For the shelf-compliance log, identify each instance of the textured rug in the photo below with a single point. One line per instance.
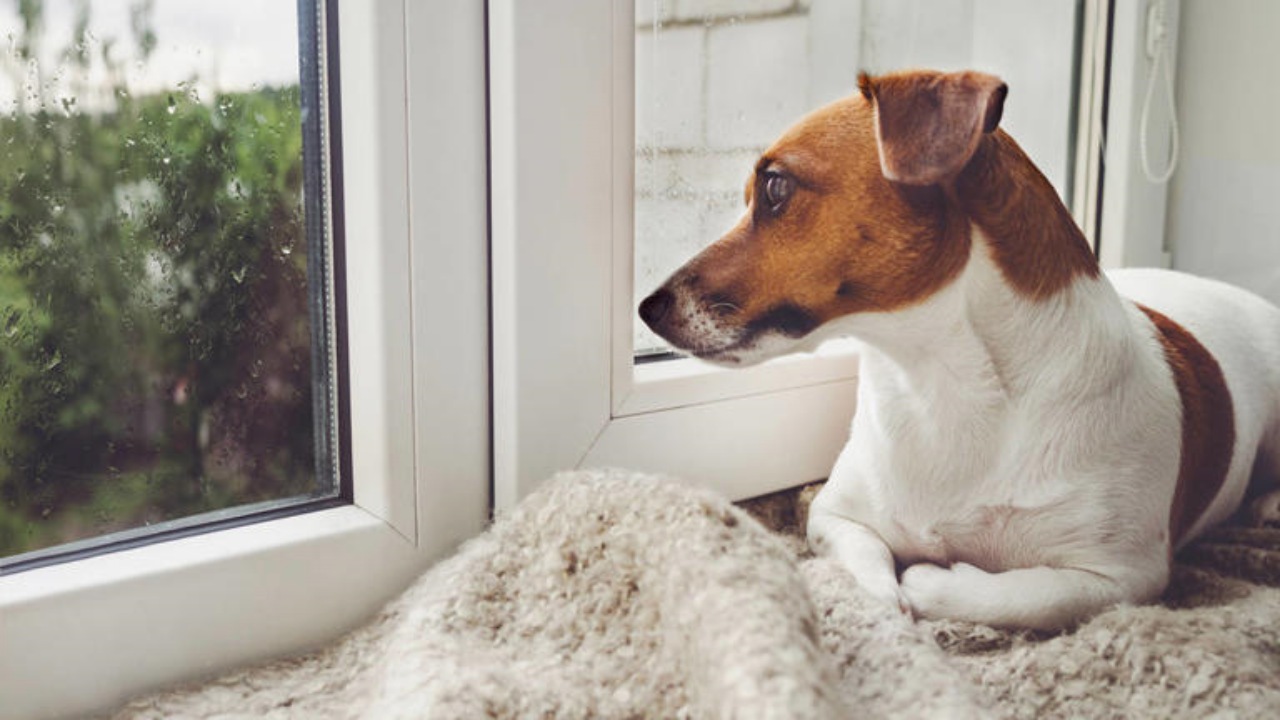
(609, 594)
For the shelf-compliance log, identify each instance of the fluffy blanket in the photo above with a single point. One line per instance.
(616, 595)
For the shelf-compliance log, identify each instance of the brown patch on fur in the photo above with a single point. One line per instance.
(848, 240)
(930, 123)
(935, 126)
(1034, 240)
(1208, 424)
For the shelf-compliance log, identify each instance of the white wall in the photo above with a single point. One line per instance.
(1224, 203)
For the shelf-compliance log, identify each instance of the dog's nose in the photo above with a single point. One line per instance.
(656, 306)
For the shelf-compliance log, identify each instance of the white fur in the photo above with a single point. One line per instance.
(1019, 457)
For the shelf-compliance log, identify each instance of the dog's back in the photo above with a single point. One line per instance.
(1242, 332)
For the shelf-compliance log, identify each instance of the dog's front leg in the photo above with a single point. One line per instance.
(861, 551)
(1040, 598)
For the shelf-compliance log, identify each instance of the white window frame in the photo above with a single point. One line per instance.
(83, 636)
(1132, 229)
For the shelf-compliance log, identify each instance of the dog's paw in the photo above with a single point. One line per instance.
(933, 591)
(925, 588)
(890, 594)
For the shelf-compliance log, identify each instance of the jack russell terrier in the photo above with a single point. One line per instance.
(1034, 439)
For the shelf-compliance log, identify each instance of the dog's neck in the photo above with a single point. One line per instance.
(1030, 313)
(1033, 238)
(979, 341)
(1070, 342)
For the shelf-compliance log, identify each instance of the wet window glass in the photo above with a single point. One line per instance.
(718, 80)
(164, 334)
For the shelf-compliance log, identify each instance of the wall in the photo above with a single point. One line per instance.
(1224, 207)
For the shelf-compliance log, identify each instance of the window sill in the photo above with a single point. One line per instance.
(686, 382)
(208, 602)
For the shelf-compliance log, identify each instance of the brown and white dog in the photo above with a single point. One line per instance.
(1030, 445)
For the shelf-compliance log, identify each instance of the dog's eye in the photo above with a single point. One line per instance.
(777, 190)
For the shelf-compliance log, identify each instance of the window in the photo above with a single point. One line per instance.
(166, 274)
(82, 635)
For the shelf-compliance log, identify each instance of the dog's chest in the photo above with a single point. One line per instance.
(982, 497)
(960, 475)
(992, 537)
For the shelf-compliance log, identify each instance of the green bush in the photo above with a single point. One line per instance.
(154, 331)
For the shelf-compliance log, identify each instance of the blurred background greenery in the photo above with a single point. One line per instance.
(154, 339)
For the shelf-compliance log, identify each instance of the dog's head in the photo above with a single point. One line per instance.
(846, 213)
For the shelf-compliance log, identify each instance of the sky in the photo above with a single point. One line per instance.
(222, 45)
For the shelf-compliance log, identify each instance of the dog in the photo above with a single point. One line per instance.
(1034, 439)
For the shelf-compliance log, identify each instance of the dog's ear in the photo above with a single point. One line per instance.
(928, 125)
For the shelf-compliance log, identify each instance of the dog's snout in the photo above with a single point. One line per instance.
(655, 307)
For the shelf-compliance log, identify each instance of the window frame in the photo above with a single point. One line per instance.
(85, 635)
(1131, 225)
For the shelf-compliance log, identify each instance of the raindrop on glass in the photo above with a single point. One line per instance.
(11, 324)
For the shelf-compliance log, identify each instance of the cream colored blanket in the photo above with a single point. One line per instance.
(617, 595)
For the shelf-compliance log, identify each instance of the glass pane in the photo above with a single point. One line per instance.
(157, 266)
(718, 80)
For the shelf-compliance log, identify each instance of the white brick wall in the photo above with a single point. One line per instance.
(670, 92)
(757, 80)
(666, 11)
(740, 9)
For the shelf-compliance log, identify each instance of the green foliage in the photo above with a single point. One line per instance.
(154, 337)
